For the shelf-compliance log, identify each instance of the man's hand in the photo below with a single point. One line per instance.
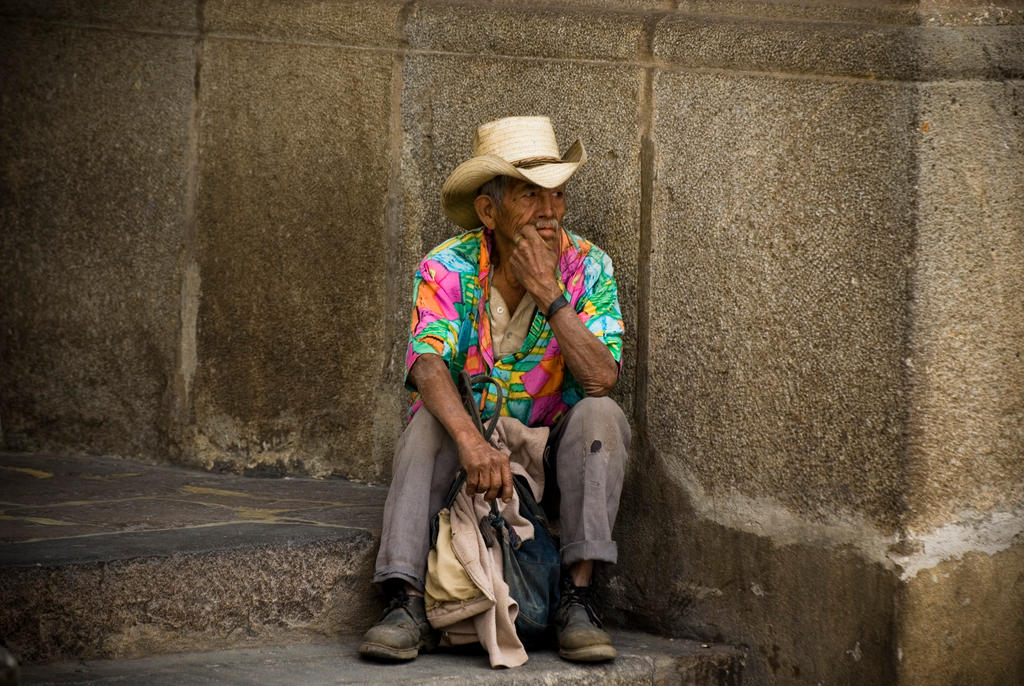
(535, 264)
(487, 469)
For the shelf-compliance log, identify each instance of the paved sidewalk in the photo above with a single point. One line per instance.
(58, 499)
(114, 572)
(103, 558)
(642, 659)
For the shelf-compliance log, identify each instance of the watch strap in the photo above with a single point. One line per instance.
(557, 304)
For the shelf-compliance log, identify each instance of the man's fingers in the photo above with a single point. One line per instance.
(506, 481)
(473, 482)
(495, 484)
(529, 232)
(492, 477)
(522, 233)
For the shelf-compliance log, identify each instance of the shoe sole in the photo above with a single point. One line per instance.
(598, 653)
(379, 651)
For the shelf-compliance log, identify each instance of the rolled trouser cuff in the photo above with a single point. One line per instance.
(382, 575)
(590, 447)
(599, 551)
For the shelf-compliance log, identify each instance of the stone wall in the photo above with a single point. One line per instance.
(211, 212)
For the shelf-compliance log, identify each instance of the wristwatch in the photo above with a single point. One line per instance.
(557, 304)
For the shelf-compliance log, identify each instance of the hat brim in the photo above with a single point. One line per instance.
(461, 188)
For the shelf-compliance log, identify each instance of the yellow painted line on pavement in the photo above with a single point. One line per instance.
(298, 504)
(211, 525)
(113, 501)
(37, 473)
(37, 520)
(110, 477)
(257, 513)
(201, 490)
(82, 503)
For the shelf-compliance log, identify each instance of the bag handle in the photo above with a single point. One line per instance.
(465, 385)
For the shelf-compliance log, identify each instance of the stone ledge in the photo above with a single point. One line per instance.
(839, 49)
(104, 558)
(537, 31)
(641, 659)
(150, 602)
(168, 543)
(828, 39)
(139, 15)
(363, 23)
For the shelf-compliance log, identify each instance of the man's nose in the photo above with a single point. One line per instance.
(545, 205)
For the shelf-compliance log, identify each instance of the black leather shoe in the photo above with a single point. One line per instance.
(580, 636)
(401, 632)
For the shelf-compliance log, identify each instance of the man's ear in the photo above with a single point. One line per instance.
(486, 210)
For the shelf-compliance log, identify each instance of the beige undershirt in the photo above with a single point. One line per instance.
(508, 331)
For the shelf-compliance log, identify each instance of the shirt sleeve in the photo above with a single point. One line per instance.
(598, 305)
(435, 316)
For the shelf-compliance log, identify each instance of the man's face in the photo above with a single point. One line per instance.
(525, 203)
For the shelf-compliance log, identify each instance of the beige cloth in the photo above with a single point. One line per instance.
(489, 616)
(509, 329)
(447, 581)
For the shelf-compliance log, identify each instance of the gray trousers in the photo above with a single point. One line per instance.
(588, 454)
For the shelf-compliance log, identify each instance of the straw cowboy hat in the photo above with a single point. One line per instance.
(520, 147)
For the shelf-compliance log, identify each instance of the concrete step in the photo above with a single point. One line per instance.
(642, 659)
(112, 571)
(101, 558)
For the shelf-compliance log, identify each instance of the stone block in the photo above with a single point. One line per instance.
(868, 11)
(510, 30)
(447, 97)
(871, 50)
(650, 5)
(970, 13)
(966, 438)
(804, 611)
(742, 43)
(166, 15)
(255, 589)
(783, 220)
(292, 257)
(365, 23)
(963, 621)
(969, 52)
(93, 139)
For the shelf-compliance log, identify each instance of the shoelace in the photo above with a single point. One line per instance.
(397, 601)
(582, 596)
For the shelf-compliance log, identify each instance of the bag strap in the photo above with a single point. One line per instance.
(456, 486)
(466, 383)
(465, 386)
(527, 500)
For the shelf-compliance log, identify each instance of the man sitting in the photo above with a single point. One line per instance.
(520, 298)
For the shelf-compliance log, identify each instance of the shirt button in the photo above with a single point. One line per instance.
(501, 310)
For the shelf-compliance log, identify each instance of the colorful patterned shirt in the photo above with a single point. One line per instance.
(450, 318)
